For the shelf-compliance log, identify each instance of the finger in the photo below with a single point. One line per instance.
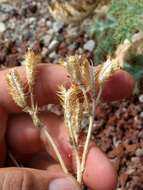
(22, 134)
(119, 86)
(24, 178)
(99, 172)
(41, 161)
(98, 166)
(50, 77)
(3, 122)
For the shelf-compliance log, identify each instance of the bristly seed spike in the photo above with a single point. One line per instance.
(31, 61)
(16, 89)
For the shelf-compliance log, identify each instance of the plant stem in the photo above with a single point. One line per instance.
(32, 100)
(13, 159)
(39, 125)
(54, 146)
(86, 146)
(31, 97)
(75, 150)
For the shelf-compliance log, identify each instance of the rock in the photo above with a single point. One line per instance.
(139, 152)
(2, 27)
(89, 45)
(71, 33)
(141, 114)
(53, 55)
(44, 52)
(31, 20)
(46, 39)
(141, 98)
(57, 26)
(72, 47)
(53, 45)
(49, 24)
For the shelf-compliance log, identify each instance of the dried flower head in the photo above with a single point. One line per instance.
(31, 61)
(77, 120)
(72, 64)
(16, 89)
(69, 96)
(80, 71)
(86, 72)
(70, 100)
(105, 71)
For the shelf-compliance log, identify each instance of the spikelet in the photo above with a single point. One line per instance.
(16, 89)
(70, 100)
(69, 96)
(77, 119)
(105, 71)
(79, 70)
(31, 61)
(72, 65)
(86, 72)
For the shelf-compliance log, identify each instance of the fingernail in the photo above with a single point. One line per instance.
(66, 183)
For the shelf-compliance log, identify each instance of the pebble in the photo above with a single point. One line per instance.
(48, 23)
(139, 152)
(72, 47)
(71, 32)
(44, 52)
(57, 26)
(53, 55)
(46, 39)
(53, 45)
(89, 45)
(2, 27)
(141, 114)
(31, 20)
(141, 98)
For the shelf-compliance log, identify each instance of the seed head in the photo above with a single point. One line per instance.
(105, 71)
(31, 61)
(70, 100)
(16, 89)
(80, 71)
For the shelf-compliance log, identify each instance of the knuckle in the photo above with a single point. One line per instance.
(15, 179)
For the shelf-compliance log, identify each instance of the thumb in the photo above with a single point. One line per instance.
(26, 178)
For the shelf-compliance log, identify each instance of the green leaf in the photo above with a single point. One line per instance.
(135, 68)
(124, 18)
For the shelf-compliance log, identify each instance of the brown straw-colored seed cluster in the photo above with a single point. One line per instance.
(79, 101)
(16, 89)
(31, 60)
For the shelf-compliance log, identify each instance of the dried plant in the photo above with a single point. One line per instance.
(16, 89)
(71, 11)
(79, 102)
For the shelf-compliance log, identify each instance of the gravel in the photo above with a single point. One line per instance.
(2, 27)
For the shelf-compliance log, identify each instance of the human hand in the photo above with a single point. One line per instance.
(23, 140)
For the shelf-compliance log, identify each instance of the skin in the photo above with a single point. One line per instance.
(23, 140)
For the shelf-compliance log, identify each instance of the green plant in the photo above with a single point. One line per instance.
(123, 19)
(135, 67)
